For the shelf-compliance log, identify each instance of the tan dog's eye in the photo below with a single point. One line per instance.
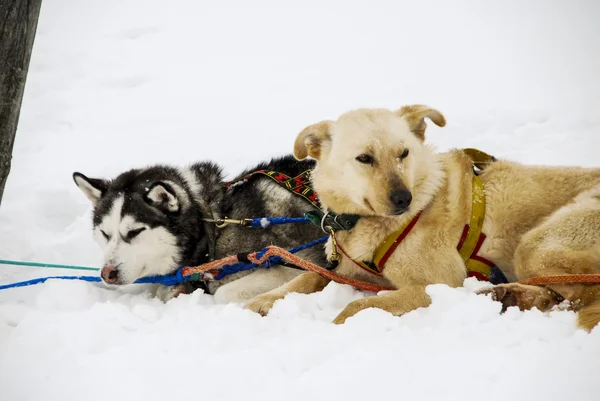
(404, 154)
(364, 159)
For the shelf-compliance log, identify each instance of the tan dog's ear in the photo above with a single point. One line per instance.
(415, 117)
(310, 140)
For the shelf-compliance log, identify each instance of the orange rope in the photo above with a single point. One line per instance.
(563, 279)
(360, 285)
(364, 285)
(291, 258)
(229, 260)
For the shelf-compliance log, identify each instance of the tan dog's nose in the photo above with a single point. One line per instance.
(110, 274)
(401, 199)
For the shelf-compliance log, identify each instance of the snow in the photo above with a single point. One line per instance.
(120, 84)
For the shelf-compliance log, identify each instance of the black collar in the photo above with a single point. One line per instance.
(337, 222)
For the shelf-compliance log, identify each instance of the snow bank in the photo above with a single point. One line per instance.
(73, 340)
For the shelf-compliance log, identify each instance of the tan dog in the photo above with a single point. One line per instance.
(538, 220)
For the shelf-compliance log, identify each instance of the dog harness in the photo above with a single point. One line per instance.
(472, 238)
(298, 185)
(386, 249)
(470, 242)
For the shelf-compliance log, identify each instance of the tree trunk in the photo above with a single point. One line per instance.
(18, 23)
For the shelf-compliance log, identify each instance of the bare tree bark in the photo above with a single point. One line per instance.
(18, 23)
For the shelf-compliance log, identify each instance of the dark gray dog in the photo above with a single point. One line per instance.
(150, 221)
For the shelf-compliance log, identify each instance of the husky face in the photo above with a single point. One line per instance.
(146, 221)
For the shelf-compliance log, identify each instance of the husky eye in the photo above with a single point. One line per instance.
(364, 159)
(404, 154)
(106, 236)
(134, 233)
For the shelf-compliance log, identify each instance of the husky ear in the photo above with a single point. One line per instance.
(415, 117)
(93, 188)
(310, 141)
(163, 196)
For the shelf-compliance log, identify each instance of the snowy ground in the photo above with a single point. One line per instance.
(117, 84)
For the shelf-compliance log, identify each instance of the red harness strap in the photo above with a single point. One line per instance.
(474, 257)
(397, 242)
(382, 254)
(376, 267)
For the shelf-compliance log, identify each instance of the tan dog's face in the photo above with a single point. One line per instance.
(370, 161)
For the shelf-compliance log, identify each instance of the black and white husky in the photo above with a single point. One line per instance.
(149, 221)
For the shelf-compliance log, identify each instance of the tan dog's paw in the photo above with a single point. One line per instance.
(262, 304)
(523, 296)
(352, 309)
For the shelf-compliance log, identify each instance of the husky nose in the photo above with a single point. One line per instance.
(401, 198)
(109, 274)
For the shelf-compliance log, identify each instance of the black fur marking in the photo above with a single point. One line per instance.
(99, 184)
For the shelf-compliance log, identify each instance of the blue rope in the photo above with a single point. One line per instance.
(169, 279)
(44, 279)
(267, 221)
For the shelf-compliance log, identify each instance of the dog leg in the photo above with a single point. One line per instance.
(532, 262)
(258, 282)
(566, 243)
(589, 315)
(306, 283)
(535, 263)
(396, 302)
(523, 296)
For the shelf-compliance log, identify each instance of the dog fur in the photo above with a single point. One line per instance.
(539, 220)
(148, 222)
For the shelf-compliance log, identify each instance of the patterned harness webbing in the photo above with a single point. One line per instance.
(298, 185)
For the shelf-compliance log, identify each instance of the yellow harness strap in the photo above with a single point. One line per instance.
(471, 239)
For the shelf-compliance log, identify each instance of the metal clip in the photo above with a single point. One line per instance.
(221, 223)
(334, 251)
